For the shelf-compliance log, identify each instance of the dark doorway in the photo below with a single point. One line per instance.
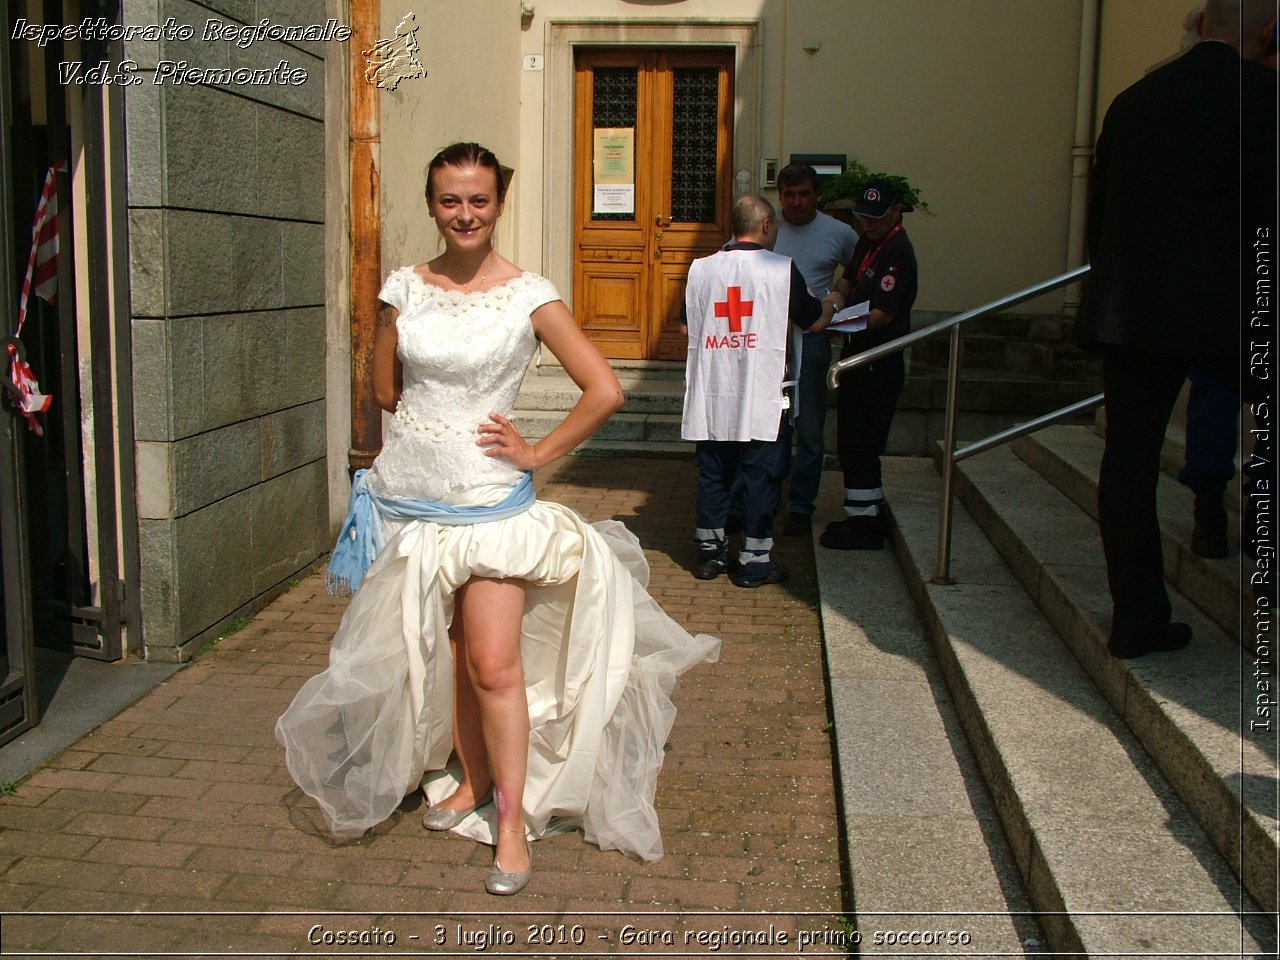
(67, 533)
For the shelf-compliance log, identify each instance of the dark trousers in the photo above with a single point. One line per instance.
(806, 469)
(865, 403)
(1213, 413)
(1140, 388)
(759, 466)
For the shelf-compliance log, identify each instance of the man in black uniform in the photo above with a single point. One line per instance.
(883, 272)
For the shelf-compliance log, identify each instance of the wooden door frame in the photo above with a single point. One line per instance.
(628, 259)
(563, 36)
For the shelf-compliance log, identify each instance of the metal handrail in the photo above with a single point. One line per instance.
(950, 455)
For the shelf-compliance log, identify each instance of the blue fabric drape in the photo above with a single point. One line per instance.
(362, 539)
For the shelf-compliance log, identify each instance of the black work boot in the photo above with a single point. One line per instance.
(855, 533)
(712, 562)
(1209, 535)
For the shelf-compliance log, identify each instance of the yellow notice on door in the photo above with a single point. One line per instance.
(614, 170)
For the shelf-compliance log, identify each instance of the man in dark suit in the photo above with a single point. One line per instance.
(1184, 171)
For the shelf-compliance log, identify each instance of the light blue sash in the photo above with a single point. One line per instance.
(362, 539)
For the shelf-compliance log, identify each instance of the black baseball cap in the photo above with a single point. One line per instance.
(876, 199)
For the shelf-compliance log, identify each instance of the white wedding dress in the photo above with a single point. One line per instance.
(601, 658)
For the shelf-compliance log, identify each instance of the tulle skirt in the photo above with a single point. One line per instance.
(601, 660)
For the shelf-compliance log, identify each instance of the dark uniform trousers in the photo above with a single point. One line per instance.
(866, 399)
(758, 465)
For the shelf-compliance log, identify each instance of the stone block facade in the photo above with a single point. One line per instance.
(226, 195)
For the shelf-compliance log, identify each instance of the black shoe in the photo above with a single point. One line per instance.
(797, 525)
(742, 576)
(1172, 636)
(732, 525)
(1209, 535)
(711, 567)
(854, 533)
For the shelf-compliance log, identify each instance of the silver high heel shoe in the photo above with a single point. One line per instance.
(503, 884)
(446, 818)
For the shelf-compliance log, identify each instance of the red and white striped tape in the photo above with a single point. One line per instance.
(42, 277)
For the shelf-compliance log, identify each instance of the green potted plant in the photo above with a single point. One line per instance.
(840, 191)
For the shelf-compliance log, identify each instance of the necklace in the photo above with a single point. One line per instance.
(471, 286)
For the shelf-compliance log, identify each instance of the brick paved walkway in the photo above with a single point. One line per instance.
(182, 802)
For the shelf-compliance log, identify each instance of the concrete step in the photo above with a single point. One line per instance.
(1053, 360)
(1065, 361)
(634, 427)
(1069, 458)
(1107, 849)
(1190, 709)
(910, 786)
(681, 450)
(647, 425)
(992, 390)
(990, 401)
(1034, 344)
(1040, 327)
(980, 351)
(647, 390)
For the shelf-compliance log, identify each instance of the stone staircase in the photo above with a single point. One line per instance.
(1015, 367)
(647, 425)
(1139, 804)
(1000, 771)
(1030, 344)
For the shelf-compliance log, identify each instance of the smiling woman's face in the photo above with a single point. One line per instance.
(464, 204)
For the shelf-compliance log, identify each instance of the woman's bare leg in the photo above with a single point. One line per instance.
(489, 644)
(468, 738)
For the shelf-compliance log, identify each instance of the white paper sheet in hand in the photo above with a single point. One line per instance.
(852, 319)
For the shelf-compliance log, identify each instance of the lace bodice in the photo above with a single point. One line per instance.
(464, 356)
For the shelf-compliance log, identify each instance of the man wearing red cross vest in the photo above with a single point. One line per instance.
(739, 306)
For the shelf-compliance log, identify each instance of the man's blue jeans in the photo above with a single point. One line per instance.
(806, 469)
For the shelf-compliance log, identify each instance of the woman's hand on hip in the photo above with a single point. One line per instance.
(500, 438)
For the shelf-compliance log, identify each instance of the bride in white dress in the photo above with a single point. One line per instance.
(512, 655)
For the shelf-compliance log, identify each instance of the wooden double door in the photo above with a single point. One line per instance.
(652, 157)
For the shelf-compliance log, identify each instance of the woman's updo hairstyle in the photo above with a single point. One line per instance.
(466, 155)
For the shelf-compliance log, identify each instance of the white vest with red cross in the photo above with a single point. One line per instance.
(736, 303)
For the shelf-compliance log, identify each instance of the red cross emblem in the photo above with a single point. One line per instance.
(735, 308)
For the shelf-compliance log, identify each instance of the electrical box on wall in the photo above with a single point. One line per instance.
(769, 172)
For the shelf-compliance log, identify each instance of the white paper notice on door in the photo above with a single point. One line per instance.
(613, 166)
(614, 198)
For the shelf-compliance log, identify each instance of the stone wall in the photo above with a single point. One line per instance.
(227, 282)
